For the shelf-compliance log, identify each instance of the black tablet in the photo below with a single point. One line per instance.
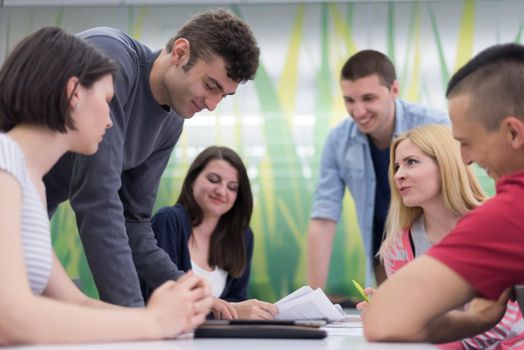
(258, 331)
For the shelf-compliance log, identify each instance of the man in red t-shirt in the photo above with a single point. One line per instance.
(483, 257)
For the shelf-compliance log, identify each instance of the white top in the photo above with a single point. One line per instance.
(36, 236)
(216, 278)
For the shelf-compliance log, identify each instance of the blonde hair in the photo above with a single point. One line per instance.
(460, 189)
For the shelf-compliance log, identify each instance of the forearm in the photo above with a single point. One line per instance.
(414, 305)
(138, 194)
(111, 263)
(38, 319)
(480, 316)
(99, 213)
(449, 327)
(454, 325)
(320, 244)
(99, 304)
(325, 212)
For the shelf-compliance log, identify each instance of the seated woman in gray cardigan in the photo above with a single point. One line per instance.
(207, 231)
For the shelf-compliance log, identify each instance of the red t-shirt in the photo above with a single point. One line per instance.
(486, 248)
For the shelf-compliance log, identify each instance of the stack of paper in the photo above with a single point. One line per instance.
(306, 303)
(351, 325)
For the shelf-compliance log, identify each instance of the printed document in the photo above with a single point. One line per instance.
(306, 303)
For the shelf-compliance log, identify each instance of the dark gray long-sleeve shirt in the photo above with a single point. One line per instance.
(112, 192)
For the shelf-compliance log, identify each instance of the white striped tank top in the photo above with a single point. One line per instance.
(36, 236)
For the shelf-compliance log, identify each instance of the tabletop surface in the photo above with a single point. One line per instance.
(332, 342)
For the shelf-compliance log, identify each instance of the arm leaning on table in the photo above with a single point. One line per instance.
(113, 191)
(62, 314)
(325, 212)
(391, 317)
(321, 234)
(113, 209)
(401, 253)
(138, 193)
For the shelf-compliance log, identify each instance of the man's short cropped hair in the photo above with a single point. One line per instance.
(368, 62)
(494, 81)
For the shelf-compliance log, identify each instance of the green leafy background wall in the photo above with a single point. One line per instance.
(279, 121)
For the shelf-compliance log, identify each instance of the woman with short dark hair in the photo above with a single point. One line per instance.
(55, 91)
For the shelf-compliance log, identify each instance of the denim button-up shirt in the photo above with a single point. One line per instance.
(346, 161)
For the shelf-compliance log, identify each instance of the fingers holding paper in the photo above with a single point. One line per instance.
(254, 309)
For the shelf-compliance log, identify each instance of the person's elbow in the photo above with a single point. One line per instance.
(385, 333)
(381, 327)
(377, 329)
(15, 327)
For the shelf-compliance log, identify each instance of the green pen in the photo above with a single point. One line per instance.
(361, 291)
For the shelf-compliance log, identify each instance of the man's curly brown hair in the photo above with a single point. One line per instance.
(220, 32)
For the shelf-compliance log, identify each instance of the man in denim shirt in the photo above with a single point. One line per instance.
(356, 155)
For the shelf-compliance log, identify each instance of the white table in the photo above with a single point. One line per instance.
(329, 343)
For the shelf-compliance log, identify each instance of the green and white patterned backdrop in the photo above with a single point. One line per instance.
(279, 121)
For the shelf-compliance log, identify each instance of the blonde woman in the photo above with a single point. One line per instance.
(431, 189)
